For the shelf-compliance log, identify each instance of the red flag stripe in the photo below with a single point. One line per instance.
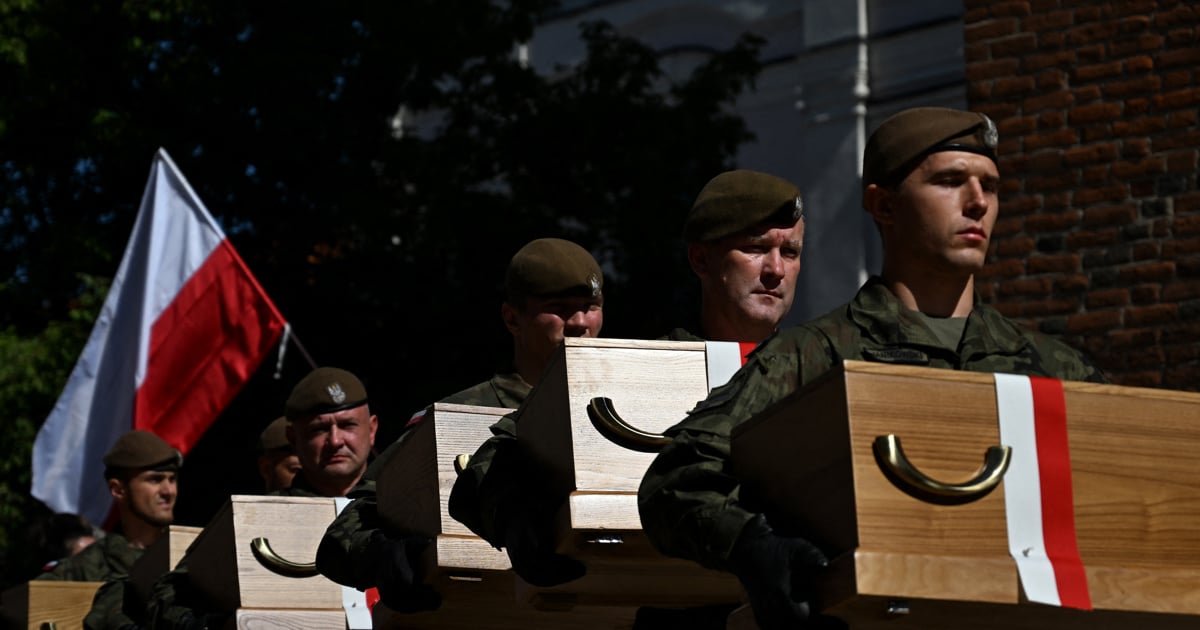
(1058, 504)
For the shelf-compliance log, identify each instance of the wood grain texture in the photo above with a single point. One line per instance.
(604, 511)
(267, 619)
(457, 553)
(38, 602)
(1135, 471)
(223, 566)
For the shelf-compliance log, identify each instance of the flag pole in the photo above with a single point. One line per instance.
(287, 336)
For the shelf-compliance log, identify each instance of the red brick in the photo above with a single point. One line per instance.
(1024, 287)
(1052, 80)
(992, 69)
(1091, 32)
(1097, 112)
(1178, 140)
(1009, 188)
(1135, 147)
(1182, 377)
(1014, 45)
(1139, 63)
(1088, 196)
(1140, 168)
(1016, 246)
(1184, 118)
(1091, 54)
(1096, 133)
(1137, 106)
(1141, 188)
(1138, 126)
(1065, 179)
(1019, 125)
(1008, 268)
(1146, 250)
(1189, 57)
(1181, 333)
(1181, 162)
(986, 291)
(1180, 247)
(1093, 238)
(1140, 43)
(1086, 94)
(1021, 205)
(1052, 221)
(1090, 153)
(1011, 310)
(1062, 138)
(1049, 264)
(1072, 283)
(1183, 354)
(1185, 225)
(1011, 7)
(1134, 23)
(1147, 272)
(975, 53)
(1107, 297)
(1052, 119)
(1178, 99)
(1133, 87)
(1185, 15)
(997, 110)
(1145, 294)
(1051, 307)
(1056, 202)
(1096, 175)
(1131, 7)
(1187, 203)
(1151, 315)
(1179, 291)
(1177, 79)
(1139, 379)
(1051, 40)
(1007, 226)
(1180, 37)
(1047, 20)
(1057, 59)
(1010, 87)
(979, 91)
(1093, 321)
(990, 29)
(1098, 71)
(1132, 339)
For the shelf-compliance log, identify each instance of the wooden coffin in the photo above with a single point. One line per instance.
(1135, 480)
(48, 604)
(261, 619)
(651, 385)
(224, 564)
(414, 486)
(160, 557)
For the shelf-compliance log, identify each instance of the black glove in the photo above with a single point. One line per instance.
(779, 573)
(529, 541)
(399, 574)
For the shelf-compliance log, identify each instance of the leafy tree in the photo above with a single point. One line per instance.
(383, 244)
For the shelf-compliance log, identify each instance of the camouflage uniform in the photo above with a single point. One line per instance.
(341, 556)
(689, 500)
(103, 560)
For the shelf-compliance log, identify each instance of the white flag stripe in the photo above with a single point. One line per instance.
(354, 601)
(724, 359)
(1022, 489)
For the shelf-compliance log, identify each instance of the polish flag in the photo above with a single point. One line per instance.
(184, 326)
(724, 358)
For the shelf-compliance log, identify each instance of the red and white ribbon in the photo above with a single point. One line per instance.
(356, 603)
(1038, 498)
(725, 358)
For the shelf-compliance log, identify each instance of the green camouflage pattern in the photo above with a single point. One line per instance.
(341, 556)
(689, 499)
(106, 559)
(109, 607)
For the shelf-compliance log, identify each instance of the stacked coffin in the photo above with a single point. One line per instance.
(870, 462)
(48, 605)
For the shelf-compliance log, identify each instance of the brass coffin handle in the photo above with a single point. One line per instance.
(460, 463)
(896, 467)
(273, 561)
(621, 433)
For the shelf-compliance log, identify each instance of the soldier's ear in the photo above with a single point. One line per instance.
(697, 255)
(878, 203)
(508, 314)
(116, 488)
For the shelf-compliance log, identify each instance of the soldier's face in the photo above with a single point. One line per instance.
(335, 446)
(277, 468)
(150, 495)
(939, 219)
(749, 279)
(542, 323)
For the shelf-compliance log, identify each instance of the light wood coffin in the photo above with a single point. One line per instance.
(42, 604)
(159, 558)
(1136, 488)
(652, 386)
(224, 566)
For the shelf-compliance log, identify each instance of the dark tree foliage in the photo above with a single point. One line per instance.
(383, 244)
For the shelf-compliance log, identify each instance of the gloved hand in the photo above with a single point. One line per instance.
(399, 575)
(778, 573)
(529, 541)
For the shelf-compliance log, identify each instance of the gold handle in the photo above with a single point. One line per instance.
(896, 467)
(268, 558)
(621, 433)
(460, 463)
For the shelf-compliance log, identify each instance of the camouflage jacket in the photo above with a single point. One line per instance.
(115, 606)
(342, 556)
(107, 558)
(689, 499)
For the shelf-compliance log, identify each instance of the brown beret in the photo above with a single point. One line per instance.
(324, 390)
(552, 266)
(274, 437)
(906, 138)
(736, 200)
(141, 449)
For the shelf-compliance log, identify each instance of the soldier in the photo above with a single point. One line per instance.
(141, 470)
(553, 290)
(332, 430)
(277, 460)
(744, 235)
(930, 182)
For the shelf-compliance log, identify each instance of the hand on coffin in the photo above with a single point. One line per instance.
(779, 573)
(399, 573)
(529, 541)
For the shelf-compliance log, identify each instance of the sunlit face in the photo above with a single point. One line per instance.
(149, 494)
(940, 218)
(748, 279)
(334, 446)
(277, 468)
(541, 323)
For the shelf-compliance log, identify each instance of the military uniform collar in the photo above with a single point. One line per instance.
(511, 389)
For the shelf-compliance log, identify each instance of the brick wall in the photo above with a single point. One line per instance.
(1098, 240)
